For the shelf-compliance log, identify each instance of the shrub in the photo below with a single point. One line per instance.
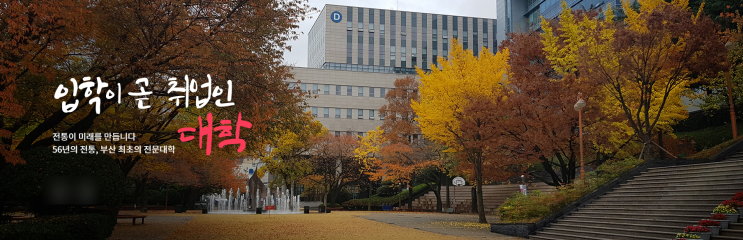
(62, 227)
(535, 206)
(719, 216)
(724, 209)
(708, 223)
(688, 235)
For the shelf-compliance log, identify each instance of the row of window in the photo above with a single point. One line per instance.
(403, 43)
(348, 113)
(367, 68)
(325, 89)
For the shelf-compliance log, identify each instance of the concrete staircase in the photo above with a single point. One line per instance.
(493, 196)
(657, 204)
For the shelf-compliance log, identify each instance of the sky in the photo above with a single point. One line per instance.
(471, 8)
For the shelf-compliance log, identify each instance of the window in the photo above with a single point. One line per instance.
(371, 19)
(381, 116)
(361, 114)
(381, 92)
(337, 113)
(337, 89)
(291, 85)
(337, 133)
(371, 114)
(315, 89)
(314, 111)
(304, 87)
(348, 113)
(349, 91)
(326, 113)
(360, 134)
(371, 92)
(327, 89)
(361, 91)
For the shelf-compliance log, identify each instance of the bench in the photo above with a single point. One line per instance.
(133, 217)
(335, 208)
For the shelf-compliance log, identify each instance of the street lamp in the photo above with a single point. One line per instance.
(733, 123)
(579, 107)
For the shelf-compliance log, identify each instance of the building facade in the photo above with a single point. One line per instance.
(355, 54)
(524, 15)
(390, 41)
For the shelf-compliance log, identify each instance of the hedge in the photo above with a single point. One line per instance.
(377, 201)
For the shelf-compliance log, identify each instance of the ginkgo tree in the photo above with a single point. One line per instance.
(644, 64)
(445, 94)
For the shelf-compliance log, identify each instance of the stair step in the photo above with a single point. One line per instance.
(620, 209)
(679, 207)
(678, 217)
(690, 173)
(607, 233)
(551, 235)
(666, 196)
(733, 186)
(684, 179)
(697, 166)
(617, 201)
(650, 226)
(714, 192)
(669, 222)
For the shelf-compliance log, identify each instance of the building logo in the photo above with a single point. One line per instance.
(336, 16)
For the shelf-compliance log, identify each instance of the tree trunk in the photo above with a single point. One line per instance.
(660, 142)
(291, 198)
(448, 195)
(370, 194)
(478, 178)
(410, 190)
(143, 197)
(437, 193)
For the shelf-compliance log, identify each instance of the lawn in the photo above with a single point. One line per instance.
(336, 225)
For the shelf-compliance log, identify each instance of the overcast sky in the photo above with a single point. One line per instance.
(471, 8)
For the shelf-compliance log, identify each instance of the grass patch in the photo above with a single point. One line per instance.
(711, 152)
(529, 209)
(711, 137)
(336, 225)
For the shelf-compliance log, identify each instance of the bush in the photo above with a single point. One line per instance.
(25, 183)
(528, 209)
(378, 201)
(387, 190)
(62, 227)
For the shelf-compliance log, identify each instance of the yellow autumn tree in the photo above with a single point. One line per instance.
(445, 94)
(644, 65)
(288, 155)
(367, 153)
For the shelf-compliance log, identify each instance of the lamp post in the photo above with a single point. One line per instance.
(579, 105)
(733, 123)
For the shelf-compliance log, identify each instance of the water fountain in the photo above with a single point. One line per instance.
(245, 203)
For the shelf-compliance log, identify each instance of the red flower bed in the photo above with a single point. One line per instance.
(738, 196)
(719, 216)
(708, 223)
(696, 229)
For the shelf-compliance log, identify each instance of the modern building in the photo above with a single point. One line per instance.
(524, 15)
(355, 54)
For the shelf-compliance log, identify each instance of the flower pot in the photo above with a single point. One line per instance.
(724, 224)
(732, 217)
(704, 235)
(715, 230)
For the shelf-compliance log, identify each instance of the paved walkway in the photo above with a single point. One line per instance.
(462, 225)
